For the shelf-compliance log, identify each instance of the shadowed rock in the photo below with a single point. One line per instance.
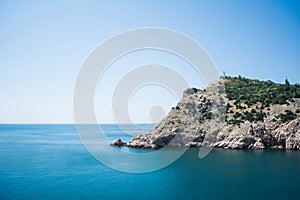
(118, 143)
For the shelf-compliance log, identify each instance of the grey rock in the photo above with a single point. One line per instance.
(293, 141)
(118, 143)
(258, 145)
(238, 145)
(190, 91)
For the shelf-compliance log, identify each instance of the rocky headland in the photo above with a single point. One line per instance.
(234, 113)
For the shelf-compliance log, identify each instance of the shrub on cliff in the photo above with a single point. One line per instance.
(288, 116)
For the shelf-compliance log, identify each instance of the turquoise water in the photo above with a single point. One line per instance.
(49, 162)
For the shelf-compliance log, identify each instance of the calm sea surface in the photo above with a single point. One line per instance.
(49, 162)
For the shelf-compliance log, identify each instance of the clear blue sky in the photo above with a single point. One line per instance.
(44, 43)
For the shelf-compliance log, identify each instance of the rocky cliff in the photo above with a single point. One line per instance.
(234, 112)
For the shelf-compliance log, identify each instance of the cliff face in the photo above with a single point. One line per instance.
(235, 113)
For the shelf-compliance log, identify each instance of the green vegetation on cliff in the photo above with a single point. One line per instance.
(250, 97)
(264, 92)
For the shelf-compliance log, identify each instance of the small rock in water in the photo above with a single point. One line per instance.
(118, 143)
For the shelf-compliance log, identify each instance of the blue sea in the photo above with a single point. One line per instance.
(50, 162)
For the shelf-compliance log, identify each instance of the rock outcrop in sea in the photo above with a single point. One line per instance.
(234, 113)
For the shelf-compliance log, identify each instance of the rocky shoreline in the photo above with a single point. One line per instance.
(201, 119)
(257, 137)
